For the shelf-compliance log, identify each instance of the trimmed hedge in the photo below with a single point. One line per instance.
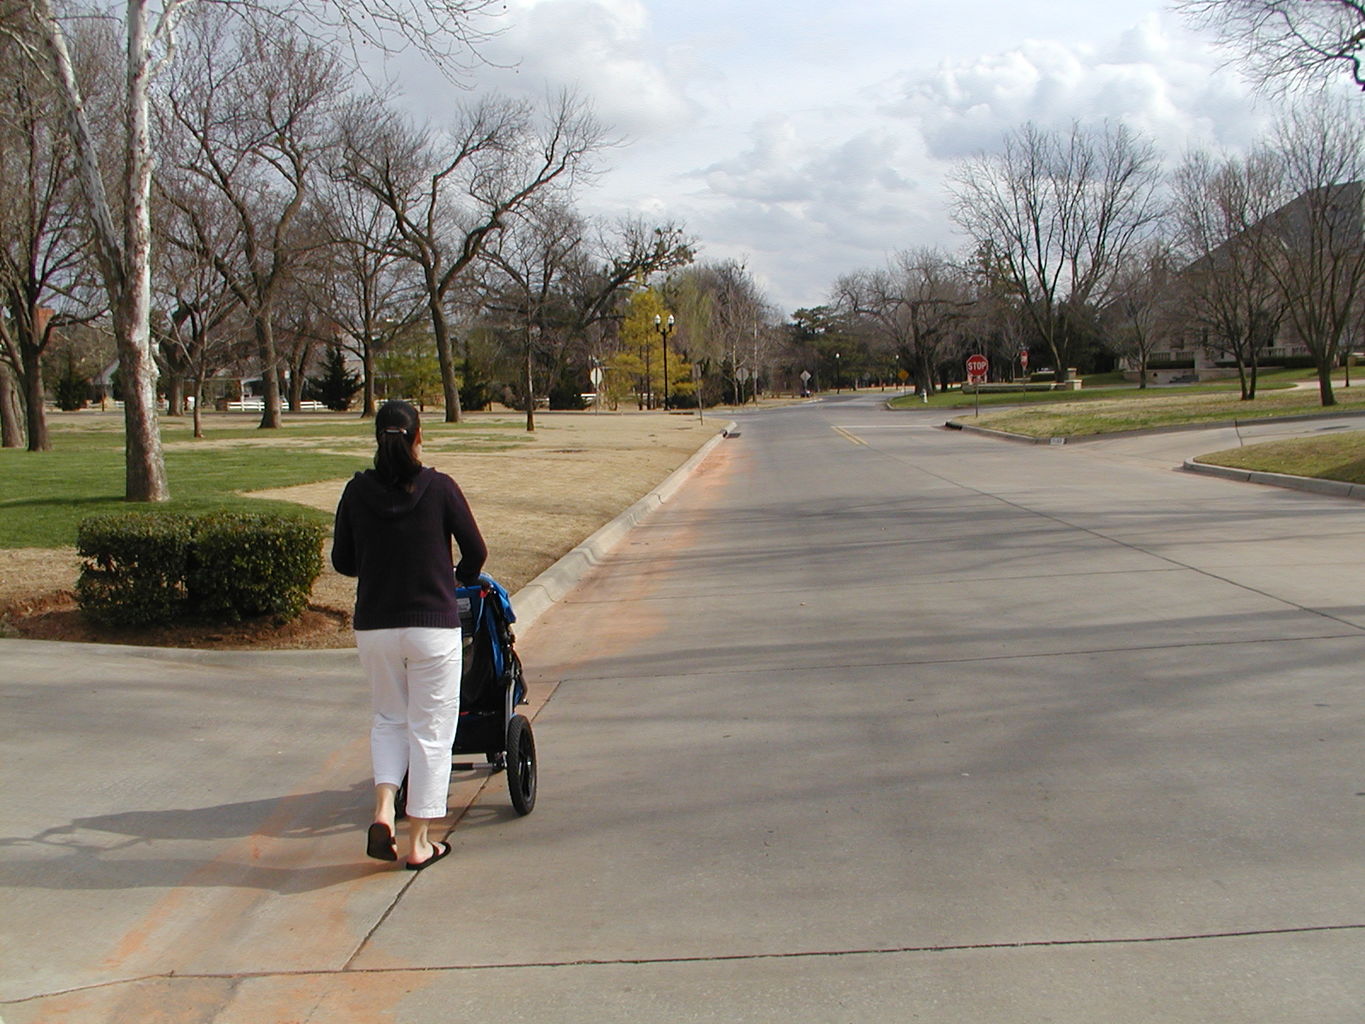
(133, 573)
(143, 569)
(247, 564)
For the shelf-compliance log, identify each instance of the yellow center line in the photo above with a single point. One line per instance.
(846, 435)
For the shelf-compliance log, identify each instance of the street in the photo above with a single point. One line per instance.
(872, 720)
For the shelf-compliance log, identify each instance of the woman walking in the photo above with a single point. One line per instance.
(394, 528)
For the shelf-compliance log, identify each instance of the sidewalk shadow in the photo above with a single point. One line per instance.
(86, 860)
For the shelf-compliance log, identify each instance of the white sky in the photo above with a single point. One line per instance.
(812, 140)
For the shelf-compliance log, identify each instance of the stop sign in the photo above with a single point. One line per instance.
(976, 368)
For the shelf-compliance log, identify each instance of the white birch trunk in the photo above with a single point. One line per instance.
(124, 261)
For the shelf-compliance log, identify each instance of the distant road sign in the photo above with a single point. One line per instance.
(976, 369)
(1023, 359)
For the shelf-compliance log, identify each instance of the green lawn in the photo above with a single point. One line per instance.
(43, 495)
(1098, 388)
(1090, 413)
(1338, 456)
(1076, 414)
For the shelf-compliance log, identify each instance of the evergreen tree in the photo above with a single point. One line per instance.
(337, 385)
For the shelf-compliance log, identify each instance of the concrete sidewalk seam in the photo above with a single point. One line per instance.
(532, 600)
(811, 954)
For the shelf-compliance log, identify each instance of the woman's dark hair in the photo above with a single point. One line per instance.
(395, 429)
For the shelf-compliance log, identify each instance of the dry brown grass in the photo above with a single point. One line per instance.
(533, 504)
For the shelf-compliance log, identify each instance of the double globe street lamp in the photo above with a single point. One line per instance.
(665, 328)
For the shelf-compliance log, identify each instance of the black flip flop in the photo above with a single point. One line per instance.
(442, 849)
(379, 842)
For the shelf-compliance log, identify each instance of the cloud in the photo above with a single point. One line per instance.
(1153, 77)
(811, 193)
(810, 163)
(604, 48)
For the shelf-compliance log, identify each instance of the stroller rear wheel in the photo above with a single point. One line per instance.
(521, 764)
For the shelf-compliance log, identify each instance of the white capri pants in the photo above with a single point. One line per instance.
(415, 695)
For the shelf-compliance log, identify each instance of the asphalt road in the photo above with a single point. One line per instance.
(873, 720)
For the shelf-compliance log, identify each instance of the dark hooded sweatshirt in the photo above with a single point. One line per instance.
(398, 543)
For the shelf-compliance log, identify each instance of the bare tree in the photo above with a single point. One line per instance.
(561, 278)
(528, 259)
(1062, 212)
(1140, 314)
(878, 298)
(362, 297)
(449, 191)
(1225, 291)
(726, 324)
(913, 305)
(247, 124)
(1287, 45)
(44, 235)
(995, 324)
(1314, 246)
(443, 29)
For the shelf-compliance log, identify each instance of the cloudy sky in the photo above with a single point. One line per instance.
(812, 140)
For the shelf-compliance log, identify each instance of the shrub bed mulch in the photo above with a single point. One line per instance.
(54, 616)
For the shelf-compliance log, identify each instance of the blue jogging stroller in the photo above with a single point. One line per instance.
(491, 689)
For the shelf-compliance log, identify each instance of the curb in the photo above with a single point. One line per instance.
(1002, 435)
(532, 600)
(1175, 428)
(1312, 485)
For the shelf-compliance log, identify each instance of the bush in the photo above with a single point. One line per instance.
(336, 386)
(71, 391)
(1171, 364)
(566, 395)
(133, 573)
(244, 564)
(475, 396)
(145, 569)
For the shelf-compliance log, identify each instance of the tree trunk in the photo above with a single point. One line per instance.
(145, 472)
(454, 414)
(270, 376)
(11, 410)
(33, 399)
(530, 390)
(1325, 381)
(367, 409)
(124, 258)
(198, 406)
(296, 382)
(145, 467)
(175, 394)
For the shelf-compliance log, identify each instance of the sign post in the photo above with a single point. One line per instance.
(977, 367)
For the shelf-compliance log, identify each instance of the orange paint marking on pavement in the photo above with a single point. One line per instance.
(282, 898)
(575, 630)
(281, 886)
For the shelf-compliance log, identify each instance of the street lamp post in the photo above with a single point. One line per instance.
(664, 327)
(838, 380)
(647, 392)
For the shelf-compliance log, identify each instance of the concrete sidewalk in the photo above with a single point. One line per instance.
(173, 812)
